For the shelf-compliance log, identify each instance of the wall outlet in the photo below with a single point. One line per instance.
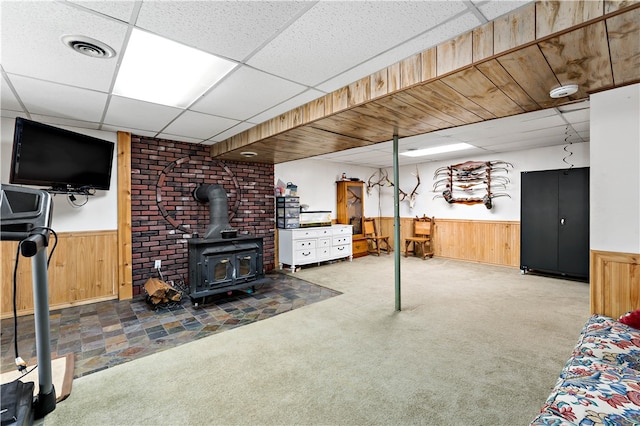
(157, 264)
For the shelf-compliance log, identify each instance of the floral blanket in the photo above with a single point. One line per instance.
(600, 383)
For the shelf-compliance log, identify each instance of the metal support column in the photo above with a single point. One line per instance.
(396, 220)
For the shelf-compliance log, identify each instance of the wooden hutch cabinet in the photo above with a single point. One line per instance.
(350, 211)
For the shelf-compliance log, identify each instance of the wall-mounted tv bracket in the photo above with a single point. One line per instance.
(25, 216)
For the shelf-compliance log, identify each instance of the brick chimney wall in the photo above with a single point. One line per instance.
(165, 215)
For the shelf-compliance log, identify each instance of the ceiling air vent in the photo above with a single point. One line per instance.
(88, 46)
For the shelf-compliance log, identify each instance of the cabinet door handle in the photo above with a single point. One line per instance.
(562, 221)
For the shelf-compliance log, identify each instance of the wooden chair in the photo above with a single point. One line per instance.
(422, 237)
(371, 234)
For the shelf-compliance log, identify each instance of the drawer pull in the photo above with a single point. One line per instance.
(306, 254)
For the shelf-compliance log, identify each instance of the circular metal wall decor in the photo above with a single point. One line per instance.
(165, 176)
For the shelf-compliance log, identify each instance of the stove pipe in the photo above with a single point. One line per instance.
(218, 208)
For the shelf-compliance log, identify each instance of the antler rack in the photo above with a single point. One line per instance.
(469, 177)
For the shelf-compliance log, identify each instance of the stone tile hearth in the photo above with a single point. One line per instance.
(105, 334)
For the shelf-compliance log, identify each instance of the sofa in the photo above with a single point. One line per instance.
(600, 383)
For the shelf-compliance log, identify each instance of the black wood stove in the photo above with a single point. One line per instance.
(222, 261)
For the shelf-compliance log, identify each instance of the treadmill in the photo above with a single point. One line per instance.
(25, 216)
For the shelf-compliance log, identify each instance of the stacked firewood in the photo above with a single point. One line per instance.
(159, 292)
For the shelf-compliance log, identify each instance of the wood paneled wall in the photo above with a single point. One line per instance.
(494, 242)
(83, 269)
(615, 282)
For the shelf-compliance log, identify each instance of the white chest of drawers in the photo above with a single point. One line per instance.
(303, 246)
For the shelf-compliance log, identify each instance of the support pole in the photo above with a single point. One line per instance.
(46, 399)
(396, 220)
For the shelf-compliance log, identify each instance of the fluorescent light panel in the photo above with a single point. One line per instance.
(437, 150)
(158, 70)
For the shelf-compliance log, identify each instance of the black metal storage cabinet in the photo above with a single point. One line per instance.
(554, 222)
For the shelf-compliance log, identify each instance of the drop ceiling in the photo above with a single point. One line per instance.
(287, 53)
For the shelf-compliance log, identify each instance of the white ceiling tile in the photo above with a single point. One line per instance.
(377, 161)
(518, 145)
(585, 136)
(300, 54)
(7, 130)
(409, 48)
(8, 100)
(577, 116)
(552, 134)
(493, 9)
(581, 127)
(58, 121)
(31, 43)
(131, 130)
(198, 126)
(5, 113)
(450, 29)
(136, 114)
(288, 105)
(584, 104)
(439, 33)
(245, 93)
(467, 153)
(232, 29)
(120, 9)
(179, 138)
(238, 128)
(41, 97)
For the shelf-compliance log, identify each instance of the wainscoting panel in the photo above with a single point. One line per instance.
(83, 269)
(494, 242)
(615, 282)
(497, 243)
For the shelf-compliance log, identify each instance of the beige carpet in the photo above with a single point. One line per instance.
(473, 345)
(61, 376)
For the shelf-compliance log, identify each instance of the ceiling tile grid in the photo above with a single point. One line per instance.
(246, 93)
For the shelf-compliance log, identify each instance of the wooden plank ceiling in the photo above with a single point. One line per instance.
(503, 68)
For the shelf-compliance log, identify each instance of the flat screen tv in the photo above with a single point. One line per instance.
(48, 156)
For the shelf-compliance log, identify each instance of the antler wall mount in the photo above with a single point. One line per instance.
(383, 178)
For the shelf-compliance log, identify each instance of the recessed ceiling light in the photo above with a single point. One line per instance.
(562, 91)
(248, 154)
(88, 46)
(437, 150)
(162, 71)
